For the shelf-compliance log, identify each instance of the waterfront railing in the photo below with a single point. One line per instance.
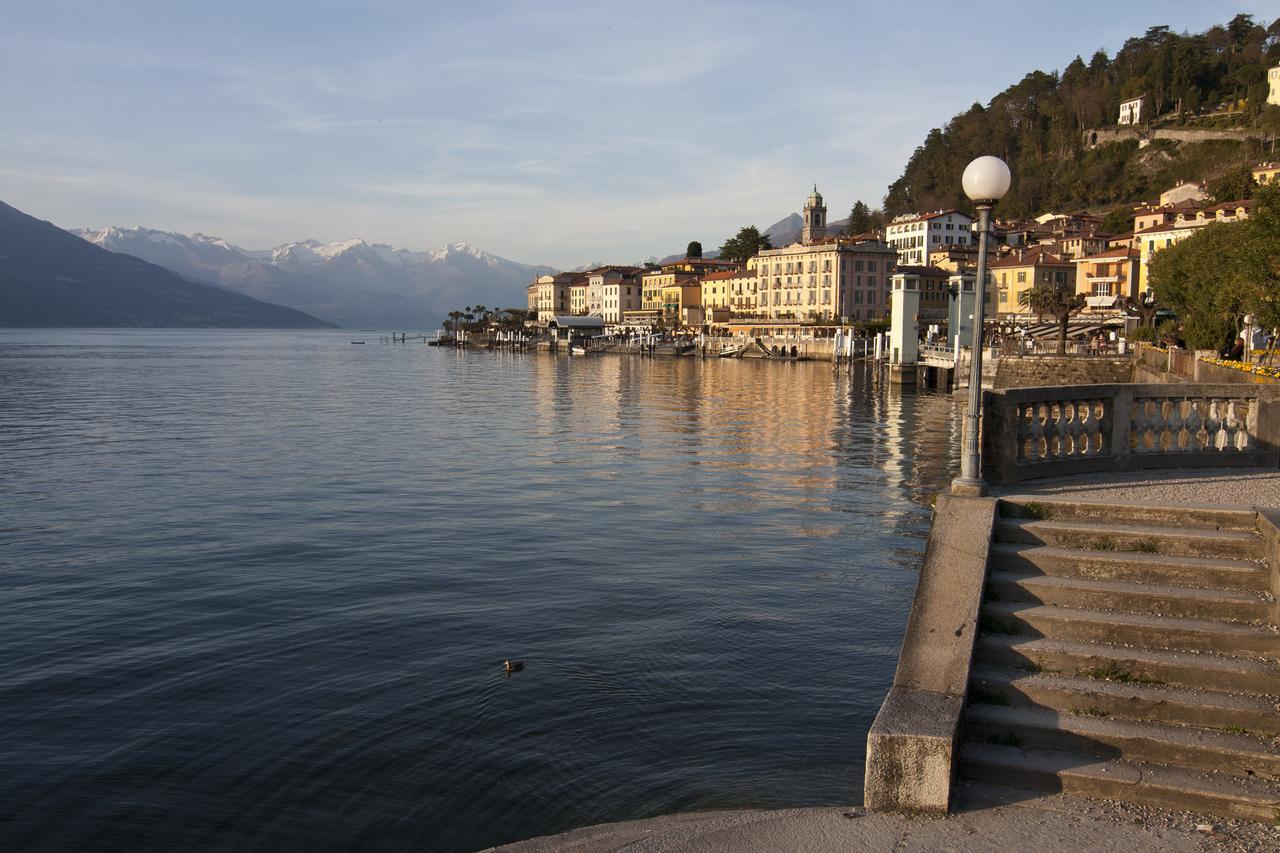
(1056, 431)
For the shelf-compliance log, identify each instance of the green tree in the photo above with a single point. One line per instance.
(1058, 300)
(859, 219)
(693, 250)
(1203, 280)
(1119, 220)
(1234, 184)
(745, 244)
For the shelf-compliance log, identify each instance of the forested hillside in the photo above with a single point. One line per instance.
(1211, 80)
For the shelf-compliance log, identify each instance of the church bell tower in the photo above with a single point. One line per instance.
(815, 218)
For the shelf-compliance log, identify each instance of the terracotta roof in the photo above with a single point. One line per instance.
(1247, 204)
(1111, 253)
(926, 271)
(1035, 256)
(921, 217)
(1172, 226)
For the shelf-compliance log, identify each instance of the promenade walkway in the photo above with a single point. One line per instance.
(1234, 487)
(985, 819)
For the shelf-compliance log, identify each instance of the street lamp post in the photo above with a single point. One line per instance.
(985, 181)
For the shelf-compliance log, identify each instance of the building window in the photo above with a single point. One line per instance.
(1022, 276)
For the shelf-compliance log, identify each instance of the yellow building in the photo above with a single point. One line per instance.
(1021, 270)
(678, 298)
(1104, 279)
(1151, 240)
(1080, 245)
(733, 291)
(578, 298)
(676, 272)
(552, 295)
(654, 282)
(1265, 173)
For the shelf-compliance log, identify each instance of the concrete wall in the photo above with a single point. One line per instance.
(911, 748)
(1105, 135)
(1042, 370)
(1186, 366)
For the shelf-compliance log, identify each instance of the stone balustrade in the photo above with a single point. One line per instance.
(1058, 431)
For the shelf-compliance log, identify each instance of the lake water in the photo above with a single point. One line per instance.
(258, 587)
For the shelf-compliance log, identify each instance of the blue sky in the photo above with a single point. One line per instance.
(555, 133)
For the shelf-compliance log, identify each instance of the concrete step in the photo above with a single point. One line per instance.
(1189, 747)
(1126, 664)
(1123, 512)
(1132, 566)
(1090, 536)
(1211, 709)
(1219, 794)
(1124, 596)
(1128, 629)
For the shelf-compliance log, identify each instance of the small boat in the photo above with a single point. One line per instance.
(732, 351)
(577, 349)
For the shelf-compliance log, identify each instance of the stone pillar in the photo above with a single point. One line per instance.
(904, 332)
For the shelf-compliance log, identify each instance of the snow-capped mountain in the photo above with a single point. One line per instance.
(351, 282)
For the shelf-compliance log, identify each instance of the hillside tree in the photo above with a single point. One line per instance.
(747, 243)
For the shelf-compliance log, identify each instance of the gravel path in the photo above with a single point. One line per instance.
(1235, 487)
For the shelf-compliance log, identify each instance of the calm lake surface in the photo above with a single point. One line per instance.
(258, 587)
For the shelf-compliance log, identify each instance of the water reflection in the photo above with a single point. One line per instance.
(262, 586)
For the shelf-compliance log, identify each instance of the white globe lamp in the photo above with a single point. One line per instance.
(986, 179)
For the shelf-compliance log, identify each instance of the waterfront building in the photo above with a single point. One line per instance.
(732, 291)
(678, 299)
(619, 293)
(654, 282)
(1022, 269)
(638, 320)
(675, 272)
(1185, 223)
(552, 295)
(578, 295)
(1131, 111)
(1265, 173)
(914, 236)
(833, 278)
(1273, 81)
(608, 279)
(1106, 278)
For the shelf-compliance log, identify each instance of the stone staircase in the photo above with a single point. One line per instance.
(1128, 653)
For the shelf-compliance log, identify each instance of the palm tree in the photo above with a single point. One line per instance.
(1059, 301)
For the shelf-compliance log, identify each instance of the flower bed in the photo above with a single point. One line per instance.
(1243, 367)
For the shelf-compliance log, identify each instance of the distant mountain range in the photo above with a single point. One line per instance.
(352, 283)
(51, 278)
